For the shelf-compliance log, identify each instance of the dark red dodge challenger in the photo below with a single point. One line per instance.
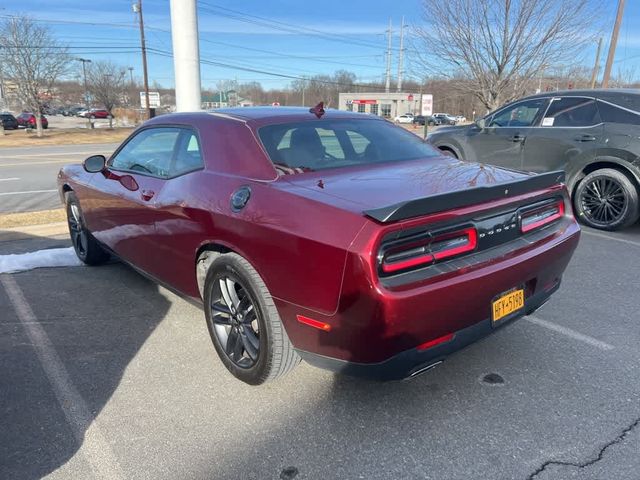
(334, 237)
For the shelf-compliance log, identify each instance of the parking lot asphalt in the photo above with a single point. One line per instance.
(103, 374)
(28, 174)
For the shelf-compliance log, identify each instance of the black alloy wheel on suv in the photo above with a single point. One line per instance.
(590, 134)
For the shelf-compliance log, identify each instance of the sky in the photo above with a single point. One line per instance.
(349, 34)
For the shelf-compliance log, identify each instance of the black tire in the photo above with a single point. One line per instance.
(607, 199)
(85, 245)
(275, 354)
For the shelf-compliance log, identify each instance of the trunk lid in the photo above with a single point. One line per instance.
(386, 186)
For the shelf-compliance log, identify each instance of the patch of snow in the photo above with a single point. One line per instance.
(54, 257)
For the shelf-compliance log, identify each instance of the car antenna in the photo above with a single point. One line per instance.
(318, 110)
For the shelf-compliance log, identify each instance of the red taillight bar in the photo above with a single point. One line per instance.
(544, 220)
(410, 262)
(472, 243)
(469, 236)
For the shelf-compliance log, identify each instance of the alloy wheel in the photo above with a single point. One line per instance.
(603, 201)
(235, 321)
(78, 233)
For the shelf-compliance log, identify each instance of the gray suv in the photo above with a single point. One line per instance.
(593, 135)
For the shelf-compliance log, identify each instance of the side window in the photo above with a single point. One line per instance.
(188, 155)
(149, 152)
(523, 114)
(613, 114)
(358, 142)
(331, 143)
(571, 112)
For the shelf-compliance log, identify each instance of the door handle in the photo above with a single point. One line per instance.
(586, 138)
(147, 195)
(517, 138)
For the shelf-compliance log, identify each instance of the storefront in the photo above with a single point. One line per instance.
(387, 105)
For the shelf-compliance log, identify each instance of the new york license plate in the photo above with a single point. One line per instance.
(507, 304)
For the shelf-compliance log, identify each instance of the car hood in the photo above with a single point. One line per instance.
(364, 188)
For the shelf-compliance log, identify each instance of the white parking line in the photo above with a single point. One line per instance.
(570, 333)
(85, 428)
(30, 191)
(8, 179)
(609, 237)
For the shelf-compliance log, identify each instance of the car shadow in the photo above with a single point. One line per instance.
(94, 341)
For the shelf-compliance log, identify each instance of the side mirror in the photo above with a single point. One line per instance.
(95, 163)
(480, 123)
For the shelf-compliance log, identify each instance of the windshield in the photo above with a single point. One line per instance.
(308, 146)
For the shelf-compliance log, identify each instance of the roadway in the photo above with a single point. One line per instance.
(28, 174)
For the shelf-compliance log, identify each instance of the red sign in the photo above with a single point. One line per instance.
(410, 97)
(364, 102)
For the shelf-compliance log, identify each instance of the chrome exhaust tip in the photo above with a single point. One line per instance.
(421, 370)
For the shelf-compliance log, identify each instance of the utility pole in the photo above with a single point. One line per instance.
(596, 66)
(401, 56)
(137, 8)
(613, 44)
(84, 73)
(186, 55)
(387, 84)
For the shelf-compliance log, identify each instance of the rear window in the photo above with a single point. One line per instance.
(571, 112)
(323, 144)
(613, 114)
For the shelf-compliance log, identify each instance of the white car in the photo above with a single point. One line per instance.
(460, 119)
(406, 118)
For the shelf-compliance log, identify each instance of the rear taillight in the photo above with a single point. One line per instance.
(429, 249)
(540, 216)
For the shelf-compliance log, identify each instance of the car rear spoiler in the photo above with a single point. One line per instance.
(464, 198)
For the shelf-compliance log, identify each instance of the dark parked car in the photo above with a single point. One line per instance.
(72, 111)
(9, 122)
(429, 120)
(445, 118)
(335, 237)
(28, 120)
(591, 134)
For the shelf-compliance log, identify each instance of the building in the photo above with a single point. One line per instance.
(388, 105)
(225, 99)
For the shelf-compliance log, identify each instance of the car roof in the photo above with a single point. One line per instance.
(595, 92)
(626, 97)
(279, 113)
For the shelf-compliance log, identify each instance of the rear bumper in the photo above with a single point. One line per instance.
(413, 361)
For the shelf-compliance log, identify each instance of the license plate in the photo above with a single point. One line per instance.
(507, 304)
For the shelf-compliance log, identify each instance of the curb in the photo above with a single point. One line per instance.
(29, 231)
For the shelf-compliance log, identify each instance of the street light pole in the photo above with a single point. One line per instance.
(86, 90)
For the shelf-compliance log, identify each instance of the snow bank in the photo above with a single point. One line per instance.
(55, 257)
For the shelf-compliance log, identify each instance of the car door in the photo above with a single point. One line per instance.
(180, 224)
(127, 212)
(501, 141)
(568, 137)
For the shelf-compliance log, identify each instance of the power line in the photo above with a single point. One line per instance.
(273, 74)
(221, 11)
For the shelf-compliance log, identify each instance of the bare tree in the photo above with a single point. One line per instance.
(107, 85)
(501, 46)
(32, 58)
